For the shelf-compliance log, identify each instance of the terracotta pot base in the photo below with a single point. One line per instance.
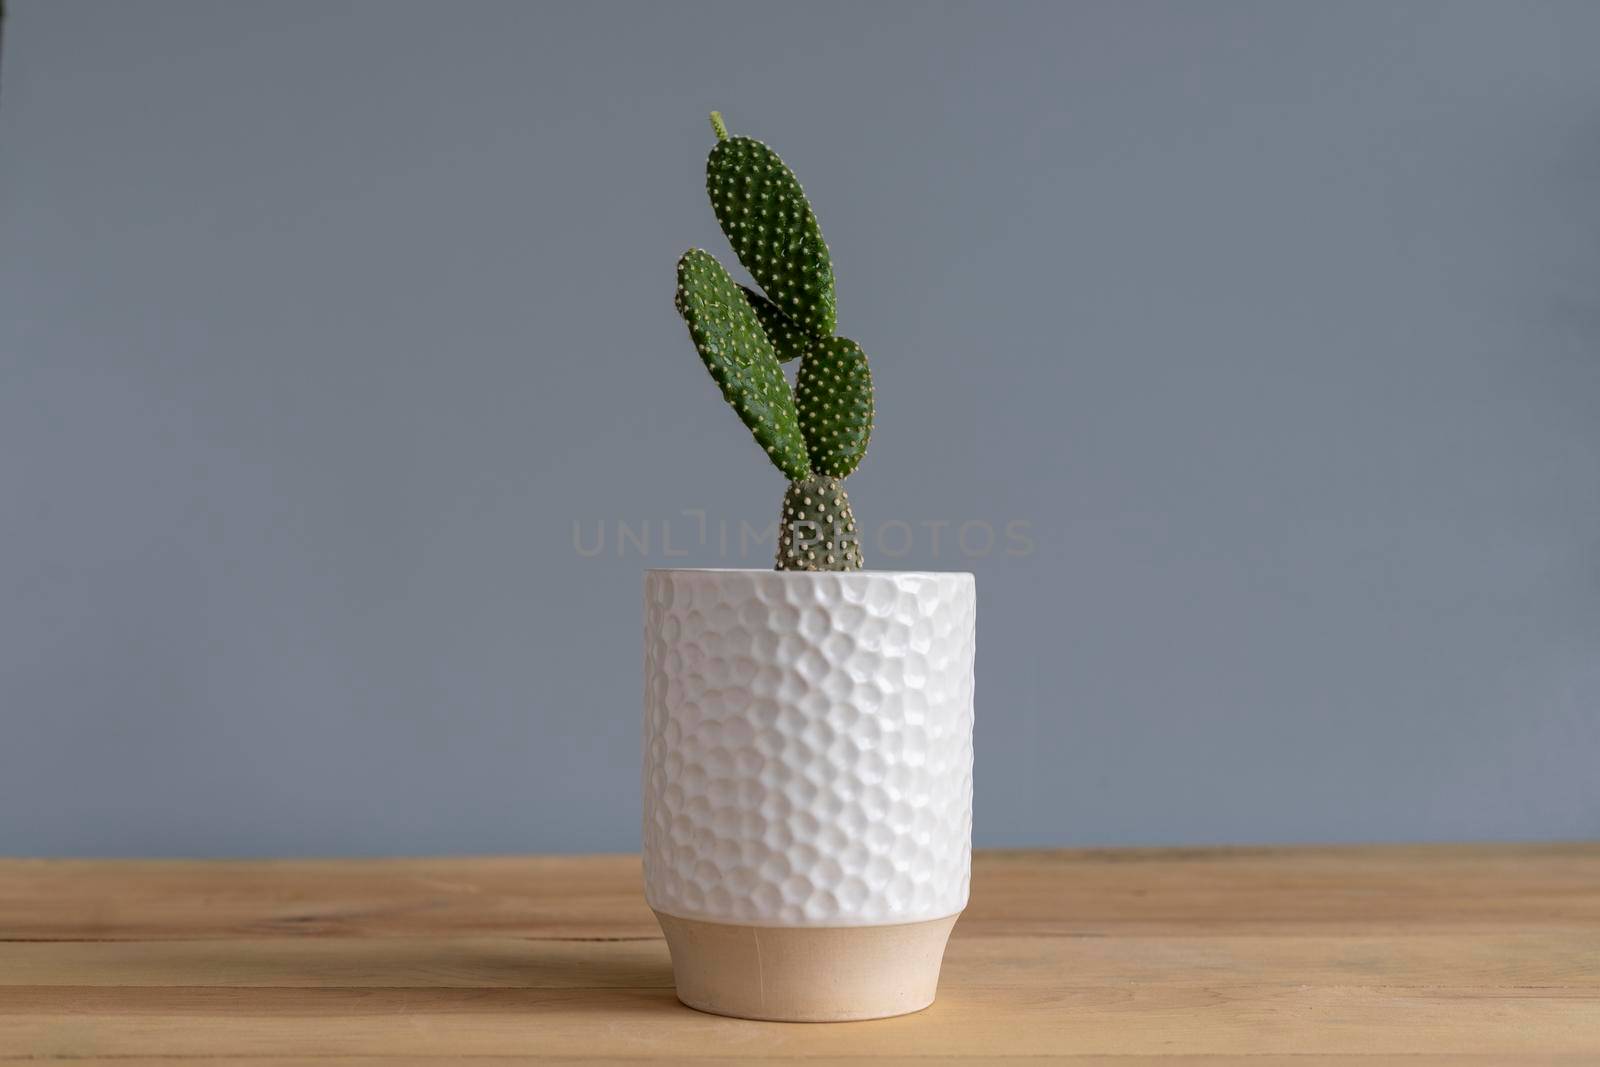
(806, 974)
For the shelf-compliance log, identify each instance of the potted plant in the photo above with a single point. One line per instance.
(807, 729)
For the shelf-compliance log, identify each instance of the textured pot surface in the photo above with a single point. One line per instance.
(808, 746)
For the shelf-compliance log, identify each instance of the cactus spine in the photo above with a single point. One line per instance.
(816, 434)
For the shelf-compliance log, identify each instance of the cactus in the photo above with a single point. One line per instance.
(772, 228)
(816, 530)
(788, 340)
(818, 433)
(833, 394)
(735, 349)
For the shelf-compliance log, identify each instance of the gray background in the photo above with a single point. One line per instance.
(322, 323)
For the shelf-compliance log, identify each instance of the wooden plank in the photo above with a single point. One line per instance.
(1388, 889)
(1147, 1019)
(1075, 1060)
(1299, 890)
(1567, 960)
(1456, 954)
(555, 896)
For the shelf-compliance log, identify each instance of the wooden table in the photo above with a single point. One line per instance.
(1305, 956)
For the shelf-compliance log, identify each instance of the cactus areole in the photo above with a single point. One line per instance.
(815, 433)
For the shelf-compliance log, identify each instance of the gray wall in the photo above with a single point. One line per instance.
(322, 323)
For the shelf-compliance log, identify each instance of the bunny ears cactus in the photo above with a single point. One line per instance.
(771, 226)
(735, 349)
(816, 434)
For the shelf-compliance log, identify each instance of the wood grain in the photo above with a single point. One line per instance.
(1419, 955)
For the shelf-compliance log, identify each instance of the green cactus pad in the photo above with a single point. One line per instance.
(788, 340)
(833, 394)
(816, 531)
(735, 349)
(764, 212)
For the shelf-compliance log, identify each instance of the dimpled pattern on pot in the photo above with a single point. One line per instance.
(808, 746)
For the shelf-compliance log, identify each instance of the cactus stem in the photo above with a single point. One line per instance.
(718, 125)
(814, 535)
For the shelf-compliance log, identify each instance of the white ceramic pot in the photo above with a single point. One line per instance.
(807, 785)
